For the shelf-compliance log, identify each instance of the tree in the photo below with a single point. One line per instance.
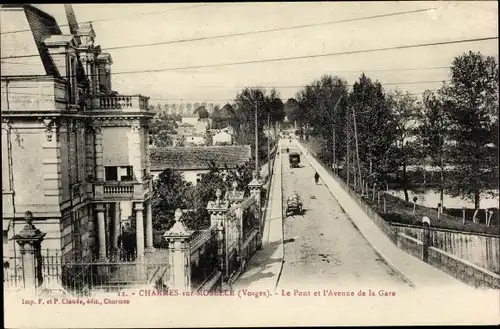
(228, 116)
(431, 134)
(374, 129)
(210, 107)
(292, 110)
(202, 112)
(158, 108)
(181, 109)
(189, 108)
(404, 109)
(170, 191)
(162, 139)
(174, 109)
(471, 104)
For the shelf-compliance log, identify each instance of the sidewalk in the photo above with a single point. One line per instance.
(263, 269)
(419, 273)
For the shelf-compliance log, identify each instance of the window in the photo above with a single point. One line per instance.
(199, 177)
(111, 173)
(127, 173)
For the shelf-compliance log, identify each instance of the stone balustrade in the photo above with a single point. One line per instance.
(121, 102)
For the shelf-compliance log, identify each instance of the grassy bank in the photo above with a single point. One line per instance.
(399, 211)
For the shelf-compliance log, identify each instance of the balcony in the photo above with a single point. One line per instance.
(122, 103)
(117, 191)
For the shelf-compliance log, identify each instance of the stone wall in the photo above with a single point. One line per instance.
(410, 245)
(479, 249)
(463, 270)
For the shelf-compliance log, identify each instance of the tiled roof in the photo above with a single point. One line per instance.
(184, 158)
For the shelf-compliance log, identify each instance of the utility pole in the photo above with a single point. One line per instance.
(268, 142)
(256, 142)
(348, 150)
(334, 141)
(357, 145)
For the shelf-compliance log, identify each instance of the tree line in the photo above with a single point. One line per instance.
(369, 134)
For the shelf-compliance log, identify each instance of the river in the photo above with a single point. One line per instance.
(430, 198)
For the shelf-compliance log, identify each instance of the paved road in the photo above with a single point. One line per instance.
(322, 247)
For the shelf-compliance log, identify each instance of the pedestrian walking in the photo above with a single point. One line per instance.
(316, 178)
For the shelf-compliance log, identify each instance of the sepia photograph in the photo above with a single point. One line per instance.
(250, 164)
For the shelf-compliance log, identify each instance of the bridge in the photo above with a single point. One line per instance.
(334, 243)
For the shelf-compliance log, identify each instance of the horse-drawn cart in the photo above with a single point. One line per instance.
(293, 205)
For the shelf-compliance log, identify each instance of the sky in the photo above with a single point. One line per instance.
(134, 24)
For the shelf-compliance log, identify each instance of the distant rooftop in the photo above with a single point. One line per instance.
(186, 158)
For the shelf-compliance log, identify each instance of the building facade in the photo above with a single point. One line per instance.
(75, 152)
(222, 138)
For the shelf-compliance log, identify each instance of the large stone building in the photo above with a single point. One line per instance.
(74, 152)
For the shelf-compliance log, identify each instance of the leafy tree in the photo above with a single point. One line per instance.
(162, 139)
(210, 107)
(374, 131)
(228, 116)
(292, 109)
(189, 108)
(471, 103)
(431, 134)
(174, 109)
(404, 109)
(202, 112)
(170, 191)
(180, 109)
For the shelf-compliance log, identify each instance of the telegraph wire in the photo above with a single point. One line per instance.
(267, 30)
(166, 99)
(346, 71)
(293, 58)
(256, 32)
(111, 18)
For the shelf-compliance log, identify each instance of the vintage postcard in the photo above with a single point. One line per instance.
(250, 164)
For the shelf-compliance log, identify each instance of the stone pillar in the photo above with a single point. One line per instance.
(147, 155)
(51, 161)
(426, 238)
(255, 187)
(136, 149)
(234, 196)
(178, 246)
(29, 240)
(149, 227)
(101, 230)
(115, 224)
(99, 167)
(218, 210)
(139, 229)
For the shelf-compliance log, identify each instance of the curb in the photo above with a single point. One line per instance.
(282, 255)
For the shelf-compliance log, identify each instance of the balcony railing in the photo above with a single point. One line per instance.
(121, 102)
(110, 190)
